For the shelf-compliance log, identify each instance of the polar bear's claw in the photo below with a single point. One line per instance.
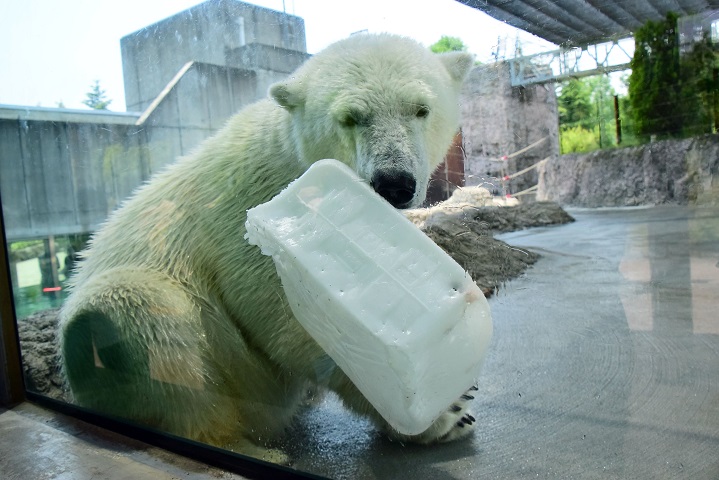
(456, 422)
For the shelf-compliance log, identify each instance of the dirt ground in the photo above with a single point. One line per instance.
(466, 234)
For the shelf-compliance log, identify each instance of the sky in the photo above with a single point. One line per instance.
(54, 50)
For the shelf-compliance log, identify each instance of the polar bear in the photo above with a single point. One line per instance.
(175, 321)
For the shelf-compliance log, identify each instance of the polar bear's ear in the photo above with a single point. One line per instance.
(458, 64)
(288, 94)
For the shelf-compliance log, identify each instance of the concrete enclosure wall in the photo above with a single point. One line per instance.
(449, 175)
(61, 177)
(64, 171)
(206, 33)
(498, 119)
(670, 171)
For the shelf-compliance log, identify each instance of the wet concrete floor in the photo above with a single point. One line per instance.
(604, 364)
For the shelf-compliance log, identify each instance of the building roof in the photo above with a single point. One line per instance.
(585, 22)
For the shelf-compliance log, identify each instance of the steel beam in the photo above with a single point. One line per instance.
(585, 22)
(564, 63)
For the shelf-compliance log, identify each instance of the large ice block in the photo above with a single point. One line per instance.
(399, 316)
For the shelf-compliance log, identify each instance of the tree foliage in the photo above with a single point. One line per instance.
(670, 95)
(654, 83)
(700, 87)
(574, 102)
(579, 139)
(586, 114)
(602, 98)
(96, 98)
(448, 44)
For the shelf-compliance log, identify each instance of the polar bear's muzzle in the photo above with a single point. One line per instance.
(391, 156)
(396, 186)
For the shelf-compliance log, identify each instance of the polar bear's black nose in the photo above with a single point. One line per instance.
(395, 186)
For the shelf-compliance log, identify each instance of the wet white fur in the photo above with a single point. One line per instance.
(175, 321)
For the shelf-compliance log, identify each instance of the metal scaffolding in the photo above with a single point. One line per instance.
(567, 63)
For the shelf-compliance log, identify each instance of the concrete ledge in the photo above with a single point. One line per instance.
(39, 443)
(15, 112)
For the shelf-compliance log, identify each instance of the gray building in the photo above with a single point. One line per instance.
(63, 171)
(225, 33)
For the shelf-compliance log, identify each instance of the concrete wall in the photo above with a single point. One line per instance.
(62, 177)
(205, 33)
(498, 119)
(195, 108)
(64, 171)
(270, 64)
(669, 171)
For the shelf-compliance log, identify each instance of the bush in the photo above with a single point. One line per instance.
(579, 139)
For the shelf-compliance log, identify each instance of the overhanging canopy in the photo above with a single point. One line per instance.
(585, 22)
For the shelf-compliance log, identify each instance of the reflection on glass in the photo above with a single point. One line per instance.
(572, 387)
(40, 270)
(635, 267)
(173, 321)
(680, 278)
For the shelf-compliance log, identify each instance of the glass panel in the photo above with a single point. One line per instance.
(587, 216)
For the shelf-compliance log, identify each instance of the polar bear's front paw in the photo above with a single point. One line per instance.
(455, 423)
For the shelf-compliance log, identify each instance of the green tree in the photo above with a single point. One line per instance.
(654, 87)
(602, 98)
(448, 44)
(671, 95)
(96, 97)
(700, 87)
(579, 139)
(575, 110)
(586, 114)
(574, 102)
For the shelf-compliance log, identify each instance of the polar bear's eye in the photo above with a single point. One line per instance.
(352, 119)
(348, 121)
(422, 111)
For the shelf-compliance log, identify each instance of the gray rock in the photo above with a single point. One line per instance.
(665, 172)
(41, 354)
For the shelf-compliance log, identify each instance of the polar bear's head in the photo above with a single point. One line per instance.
(382, 104)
